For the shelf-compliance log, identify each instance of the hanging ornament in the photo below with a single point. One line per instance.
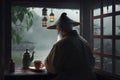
(44, 11)
(44, 22)
(51, 16)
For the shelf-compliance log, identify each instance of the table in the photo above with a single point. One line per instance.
(28, 74)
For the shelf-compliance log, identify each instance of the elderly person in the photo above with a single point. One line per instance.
(71, 57)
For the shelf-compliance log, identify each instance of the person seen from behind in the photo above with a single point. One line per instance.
(71, 57)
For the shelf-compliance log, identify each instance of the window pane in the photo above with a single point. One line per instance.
(117, 5)
(117, 66)
(37, 38)
(107, 64)
(107, 26)
(107, 9)
(97, 45)
(96, 12)
(117, 47)
(118, 25)
(96, 27)
(107, 46)
(97, 61)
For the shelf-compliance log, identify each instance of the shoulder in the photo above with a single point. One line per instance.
(83, 40)
(63, 42)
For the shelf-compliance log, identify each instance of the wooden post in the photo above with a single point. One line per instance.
(85, 19)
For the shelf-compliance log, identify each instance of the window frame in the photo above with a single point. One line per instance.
(113, 37)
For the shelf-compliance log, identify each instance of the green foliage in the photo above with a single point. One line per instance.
(23, 15)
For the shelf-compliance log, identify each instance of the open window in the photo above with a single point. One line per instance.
(35, 37)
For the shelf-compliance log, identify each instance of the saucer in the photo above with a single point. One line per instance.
(37, 70)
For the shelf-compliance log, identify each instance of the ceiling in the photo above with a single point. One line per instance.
(72, 4)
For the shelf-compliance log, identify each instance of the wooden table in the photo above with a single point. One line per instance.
(28, 74)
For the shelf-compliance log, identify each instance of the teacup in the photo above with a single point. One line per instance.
(37, 64)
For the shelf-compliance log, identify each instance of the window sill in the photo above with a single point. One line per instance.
(102, 75)
(21, 74)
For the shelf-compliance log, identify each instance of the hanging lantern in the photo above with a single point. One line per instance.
(51, 16)
(44, 22)
(44, 11)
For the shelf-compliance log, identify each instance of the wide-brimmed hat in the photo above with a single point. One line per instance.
(64, 20)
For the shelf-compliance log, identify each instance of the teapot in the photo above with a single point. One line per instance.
(27, 59)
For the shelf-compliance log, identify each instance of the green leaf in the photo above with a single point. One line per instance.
(30, 15)
(18, 13)
(21, 16)
(14, 19)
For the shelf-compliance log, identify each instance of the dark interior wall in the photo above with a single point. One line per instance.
(8, 29)
(85, 19)
(7, 32)
(1, 40)
(5, 36)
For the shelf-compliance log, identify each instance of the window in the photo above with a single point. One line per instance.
(106, 36)
(117, 31)
(38, 38)
(96, 27)
(107, 25)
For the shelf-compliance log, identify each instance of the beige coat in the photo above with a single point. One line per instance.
(71, 59)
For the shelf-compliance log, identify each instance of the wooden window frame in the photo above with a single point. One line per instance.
(113, 37)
